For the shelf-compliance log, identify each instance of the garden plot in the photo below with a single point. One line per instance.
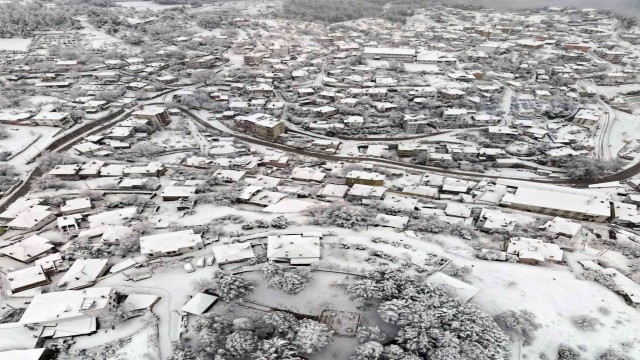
(325, 291)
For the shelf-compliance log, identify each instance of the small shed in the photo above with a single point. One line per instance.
(199, 304)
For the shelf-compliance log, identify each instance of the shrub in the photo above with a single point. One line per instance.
(521, 323)
(566, 352)
(585, 322)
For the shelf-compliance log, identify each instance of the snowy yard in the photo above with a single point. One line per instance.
(28, 141)
(625, 129)
(14, 44)
(146, 5)
(134, 340)
(507, 286)
(415, 67)
(613, 91)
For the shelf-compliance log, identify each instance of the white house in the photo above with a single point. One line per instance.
(83, 273)
(307, 174)
(300, 249)
(70, 312)
(170, 193)
(57, 119)
(366, 192)
(29, 249)
(333, 192)
(172, 243)
(557, 201)
(75, 206)
(493, 220)
(230, 253)
(18, 206)
(27, 278)
(454, 114)
(533, 251)
(33, 218)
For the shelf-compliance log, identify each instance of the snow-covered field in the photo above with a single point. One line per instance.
(415, 67)
(146, 5)
(99, 39)
(612, 91)
(28, 140)
(14, 44)
(626, 128)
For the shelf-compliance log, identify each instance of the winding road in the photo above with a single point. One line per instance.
(622, 175)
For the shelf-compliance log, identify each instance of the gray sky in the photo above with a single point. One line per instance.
(620, 5)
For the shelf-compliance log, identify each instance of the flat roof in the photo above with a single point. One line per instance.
(559, 198)
(169, 242)
(199, 304)
(365, 175)
(232, 252)
(150, 111)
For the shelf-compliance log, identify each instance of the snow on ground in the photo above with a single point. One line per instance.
(40, 99)
(146, 5)
(134, 339)
(173, 285)
(626, 128)
(235, 60)
(143, 345)
(173, 140)
(171, 158)
(31, 139)
(613, 91)
(289, 206)
(515, 173)
(323, 292)
(443, 82)
(415, 67)
(14, 44)
(203, 213)
(106, 335)
(553, 293)
(97, 38)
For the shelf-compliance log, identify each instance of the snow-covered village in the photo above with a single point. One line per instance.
(319, 179)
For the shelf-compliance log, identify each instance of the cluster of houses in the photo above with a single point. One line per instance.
(306, 96)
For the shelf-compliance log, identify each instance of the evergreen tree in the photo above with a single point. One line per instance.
(311, 336)
(230, 287)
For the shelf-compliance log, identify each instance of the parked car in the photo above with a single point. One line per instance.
(200, 262)
(188, 267)
(208, 261)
